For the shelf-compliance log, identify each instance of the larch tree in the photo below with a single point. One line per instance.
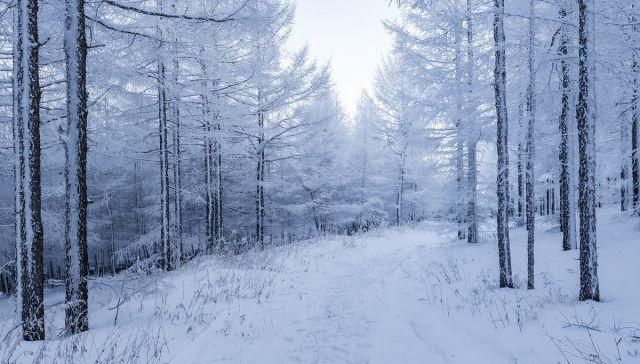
(502, 146)
(635, 116)
(566, 126)
(586, 120)
(472, 130)
(29, 234)
(530, 149)
(75, 145)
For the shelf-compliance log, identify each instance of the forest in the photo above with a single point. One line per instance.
(176, 177)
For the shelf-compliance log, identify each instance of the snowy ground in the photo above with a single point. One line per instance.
(398, 296)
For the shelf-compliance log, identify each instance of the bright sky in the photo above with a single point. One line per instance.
(350, 34)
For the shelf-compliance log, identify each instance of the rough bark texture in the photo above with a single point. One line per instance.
(585, 116)
(77, 257)
(472, 143)
(567, 208)
(177, 169)
(635, 130)
(500, 75)
(30, 239)
(166, 255)
(530, 152)
(260, 177)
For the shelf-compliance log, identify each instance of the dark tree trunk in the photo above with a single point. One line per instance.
(77, 257)
(472, 146)
(500, 74)
(567, 218)
(260, 175)
(30, 239)
(530, 152)
(177, 169)
(585, 116)
(165, 236)
(635, 120)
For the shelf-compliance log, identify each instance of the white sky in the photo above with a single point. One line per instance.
(349, 33)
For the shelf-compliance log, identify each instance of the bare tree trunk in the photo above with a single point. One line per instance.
(461, 204)
(30, 246)
(400, 189)
(472, 144)
(500, 74)
(165, 234)
(177, 168)
(635, 127)
(586, 118)
(260, 174)
(77, 255)
(567, 208)
(530, 152)
(18, 150)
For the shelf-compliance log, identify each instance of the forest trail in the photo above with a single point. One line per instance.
(417, 295)
(362, 306)
(395, 296)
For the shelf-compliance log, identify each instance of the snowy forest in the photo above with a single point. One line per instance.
(181, 185)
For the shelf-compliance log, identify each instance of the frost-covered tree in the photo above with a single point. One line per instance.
(29, 230)
(502, 123)
(75, 146)
(586, 119)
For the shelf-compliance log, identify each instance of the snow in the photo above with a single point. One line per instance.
(407, 295)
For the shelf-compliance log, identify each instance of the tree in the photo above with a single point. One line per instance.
(530, 151)
(586, 119)
(75, 144)
(567, 193)
(635, 119)
(473, 134)
(502, 146)
(29, 232)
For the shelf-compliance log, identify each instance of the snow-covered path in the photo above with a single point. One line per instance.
(354, 306)
(413, 295)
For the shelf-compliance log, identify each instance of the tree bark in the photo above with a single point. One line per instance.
(166, 256)
(530, 152)
(500, 86)
(30, 238)
(567, 204)
(77, 257)
(586, 118)
(472, 143)
(260, 175)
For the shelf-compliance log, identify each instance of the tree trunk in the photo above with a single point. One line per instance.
(400, 189)
(177, 168)
(461, 204)
(31, 239)
(635, 128)
(260, 174)
(502, 146)
(165, 231)
(77, 256)
(567, 204)
(530, 152)
(586, 118)
(472, 144)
